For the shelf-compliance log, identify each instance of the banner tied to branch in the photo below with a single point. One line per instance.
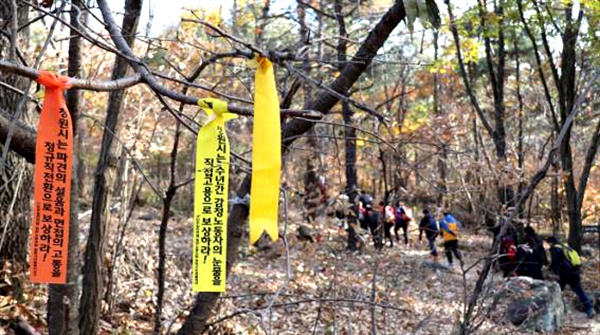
(266, 154)
(52, 184)
(210, 199)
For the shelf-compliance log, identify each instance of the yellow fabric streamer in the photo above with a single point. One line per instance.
(209, 243)
(266, 154)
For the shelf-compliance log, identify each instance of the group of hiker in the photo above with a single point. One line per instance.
(514, 259)
(382, 220)
(386, 218)
(529, 257)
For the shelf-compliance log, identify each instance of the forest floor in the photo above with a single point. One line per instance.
(306, 288)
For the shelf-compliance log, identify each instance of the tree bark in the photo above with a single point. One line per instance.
(349, 131)
(93, 284)
(443, 157)
(311, 194)
(567, 92)
(63, 317)
(520, 144)
(16, 176)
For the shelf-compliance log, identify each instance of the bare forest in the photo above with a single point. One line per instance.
(424, 166)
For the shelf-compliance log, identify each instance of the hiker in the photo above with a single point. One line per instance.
(449, 226)
(527, 263)
(403, 218)
(363, 200)
(567, 265)
(508, 249)
(389, 215)
(430, 226)
(535, 257)
(507, 260)
(375, 225)
(531, 256)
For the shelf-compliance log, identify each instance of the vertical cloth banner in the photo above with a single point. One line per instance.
(266, 154)
(52, 184)
(209, 242)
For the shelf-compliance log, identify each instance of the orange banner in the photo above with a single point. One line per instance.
(53, 163)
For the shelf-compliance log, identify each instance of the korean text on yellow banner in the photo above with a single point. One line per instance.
(210, 199)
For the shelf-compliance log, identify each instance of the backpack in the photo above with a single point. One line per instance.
(434, 225)
(389, 214)
(570, 255)
(508, 247)
(408, 215)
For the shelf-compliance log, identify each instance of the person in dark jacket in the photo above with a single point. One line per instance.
(375, 223)
(531, 256)
(568, 274)
(536, 243)
(402, 220)
(528, 263)
(364, 200)
(429, 225)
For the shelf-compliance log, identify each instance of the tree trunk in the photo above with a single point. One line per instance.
(350, 152)
(349, 132)
(555, 200)
(94, 253)
(311, 194)
(16, 176)
(63, 317)
(567, 94)
(520, 150)
(443, 158)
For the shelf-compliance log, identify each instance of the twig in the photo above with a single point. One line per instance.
(24, 98)
(84, 84)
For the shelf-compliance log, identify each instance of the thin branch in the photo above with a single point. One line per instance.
(14, 30)
(590, 158)
(319, 11)
(136, 165)
(340, 96)
(84, 84)
(122, 83)
(275, 56)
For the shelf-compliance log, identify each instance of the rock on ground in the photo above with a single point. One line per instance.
(532, 305)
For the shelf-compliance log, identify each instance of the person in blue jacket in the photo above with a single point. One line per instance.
(449, 226)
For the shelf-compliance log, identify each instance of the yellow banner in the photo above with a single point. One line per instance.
(209, 243)
(266, 154)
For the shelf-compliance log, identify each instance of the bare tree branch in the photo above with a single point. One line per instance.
(23, 143)
(84, 84)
